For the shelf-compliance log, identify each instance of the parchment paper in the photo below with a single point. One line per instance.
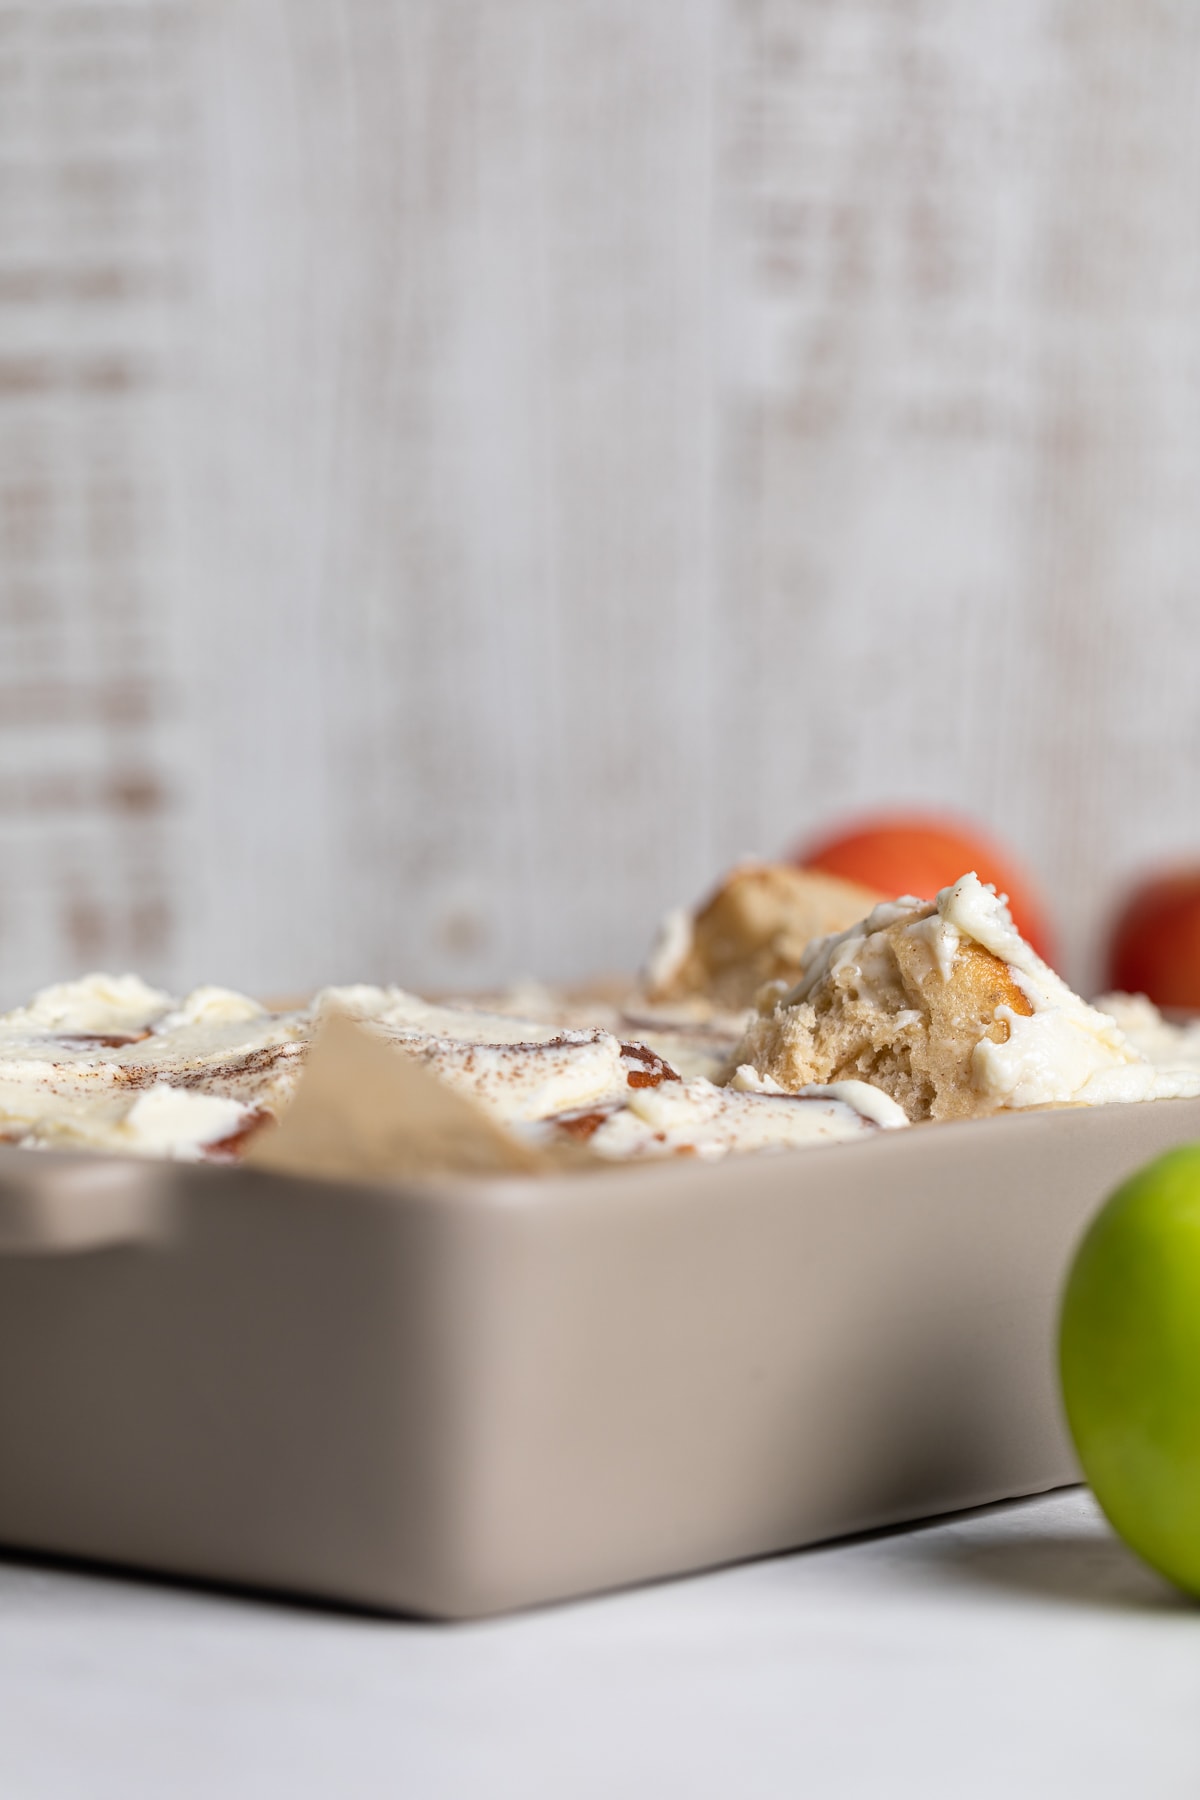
(366, 1111)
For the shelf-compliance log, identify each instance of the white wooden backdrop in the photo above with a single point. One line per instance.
(467, 471)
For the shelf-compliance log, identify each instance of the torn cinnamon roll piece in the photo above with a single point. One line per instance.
(945, 1007)
(754, 928)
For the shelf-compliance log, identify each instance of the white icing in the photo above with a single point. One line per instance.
(869, 1101)
(161, 1121)
(401, 1014)
(95, 1003)
(1065, 1050)
(670, 950)
(212, 1006)
(979, 912)
(712, 1122)
(178, 1122)
(940, 938)
(533, 1081)
(747, 1080)
(860, 952)
(1162, 1042)
(197, 1067)
(690, 1055)
(60, 1079)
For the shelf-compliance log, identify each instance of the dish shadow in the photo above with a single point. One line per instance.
(163, 1585)
(1096, 1571)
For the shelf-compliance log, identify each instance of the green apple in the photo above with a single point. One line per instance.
(1129, 1347)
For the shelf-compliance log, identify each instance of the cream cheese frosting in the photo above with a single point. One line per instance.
(1064, 1049)
(520, 1082)
(161, 1121)
(110, 1063)
(948, 1008)
(101, 1005)
(407, 1016)
(1162, 1041)
(696, 1118)
(76, 1060)
(669, 950)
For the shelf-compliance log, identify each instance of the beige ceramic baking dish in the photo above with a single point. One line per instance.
(458, 1396)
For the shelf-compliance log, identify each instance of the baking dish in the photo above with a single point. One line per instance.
(457, 1396)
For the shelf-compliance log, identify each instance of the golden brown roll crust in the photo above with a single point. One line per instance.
(755, 928)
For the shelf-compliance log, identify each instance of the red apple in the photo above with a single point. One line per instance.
(913, 853)
(1155, 946)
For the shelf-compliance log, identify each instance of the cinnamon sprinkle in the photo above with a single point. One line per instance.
(649, 1070)
(230, 1147)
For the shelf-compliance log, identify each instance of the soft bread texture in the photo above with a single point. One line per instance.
(893, 1017)
(949, 1011)
(755, 928)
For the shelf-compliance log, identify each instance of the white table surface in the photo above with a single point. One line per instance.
(1016, 1650)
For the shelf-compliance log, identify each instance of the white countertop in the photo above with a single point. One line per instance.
(1016, 1650)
